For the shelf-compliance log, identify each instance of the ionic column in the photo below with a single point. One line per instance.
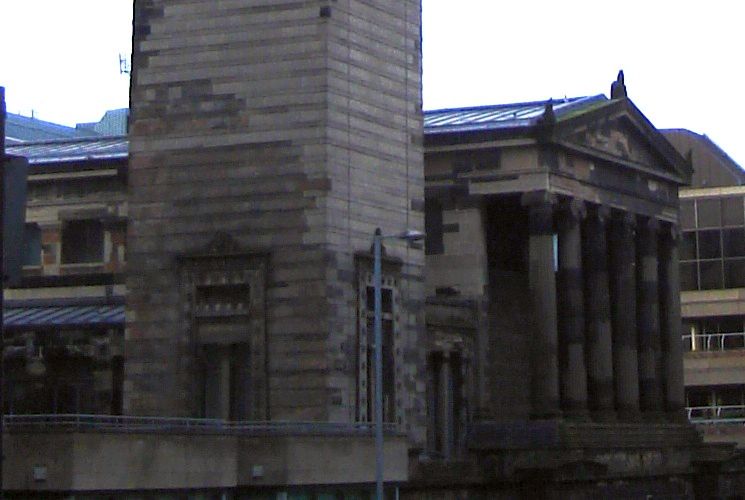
(573, 372)
(597, 299)
(623, 315)
(648, 318)
(542, 284)
(670, 324)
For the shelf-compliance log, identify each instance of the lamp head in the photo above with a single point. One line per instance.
(411, 235)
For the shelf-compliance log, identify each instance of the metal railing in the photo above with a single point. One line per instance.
(721, 414)
(130, 424)
(714, 341)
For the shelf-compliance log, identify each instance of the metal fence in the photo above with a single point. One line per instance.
(130, 424)
(714, 341)
(723, 414)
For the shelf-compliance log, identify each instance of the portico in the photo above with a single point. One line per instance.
(598, 347)
(575, 267)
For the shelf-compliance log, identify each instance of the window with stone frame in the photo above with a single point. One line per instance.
(366, 348)
(82, 241)
(225, 318)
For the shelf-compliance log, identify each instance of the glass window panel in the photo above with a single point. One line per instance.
(733, 213)
(730, 323)
(711, 275)
(688, 246)
(688, 276)
(687, 215)
(734, 242)
(734, 273)
(709, 244)
(709, 213)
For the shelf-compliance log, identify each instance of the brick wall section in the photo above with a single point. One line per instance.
(295, 133)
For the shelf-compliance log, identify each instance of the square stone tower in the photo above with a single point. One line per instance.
(269, 138)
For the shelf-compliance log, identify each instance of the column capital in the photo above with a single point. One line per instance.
(650, 224)
(538, 198)
(671, 231)
(573, 207)
(624, 219)
(599, 214)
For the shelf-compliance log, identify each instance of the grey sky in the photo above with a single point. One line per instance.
(683, 59)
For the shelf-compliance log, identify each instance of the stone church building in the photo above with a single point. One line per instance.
(531, 349)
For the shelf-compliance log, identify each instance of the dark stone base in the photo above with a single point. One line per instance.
(562, 459)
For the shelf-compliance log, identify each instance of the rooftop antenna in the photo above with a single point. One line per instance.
(125, 66)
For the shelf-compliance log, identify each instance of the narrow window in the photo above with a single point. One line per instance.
(366, 352)
(433, 240)
(31, 245)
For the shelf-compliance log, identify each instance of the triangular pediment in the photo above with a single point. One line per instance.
(620, 132)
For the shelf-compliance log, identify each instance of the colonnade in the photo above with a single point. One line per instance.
(607, 343)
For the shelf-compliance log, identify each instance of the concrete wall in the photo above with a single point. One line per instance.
(81, 462)
(712, 303)
(714, 368)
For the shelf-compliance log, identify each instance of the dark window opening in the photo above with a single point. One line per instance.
(507, 236)
(222, 299)
(709, 244)
(433, 226)
(734, 273)
(734, 242)
(70, 371)
(709, 213)
(31, 245)
(733, 213)
(82, 242)
(687, 215)
(386, 300)
(711, 275)
(688, 246)
(688, 276)
(226, 372)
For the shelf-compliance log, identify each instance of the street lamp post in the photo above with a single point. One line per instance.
(408, 235)
(2, 284)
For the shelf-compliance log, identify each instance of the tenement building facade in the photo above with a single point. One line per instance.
(530, 350)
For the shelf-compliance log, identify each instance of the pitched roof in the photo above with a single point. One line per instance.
(713, 166)
(19, 128)
(72, 150)
(502, 116)
(113, 122)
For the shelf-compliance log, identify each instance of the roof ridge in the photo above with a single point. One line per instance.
(556, 101)
(95, 138)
